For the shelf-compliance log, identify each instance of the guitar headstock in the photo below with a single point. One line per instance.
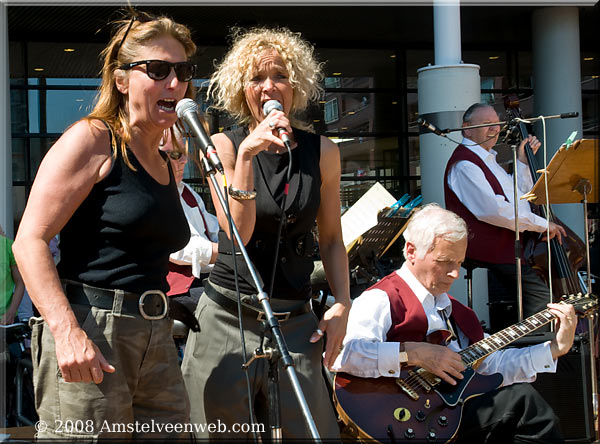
(583, 304)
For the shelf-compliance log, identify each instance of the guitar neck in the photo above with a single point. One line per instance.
(505, 337)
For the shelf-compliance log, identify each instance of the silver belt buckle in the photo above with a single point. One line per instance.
(280, 315)
(151, 317)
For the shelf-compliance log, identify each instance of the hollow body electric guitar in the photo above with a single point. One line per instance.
(420, 407)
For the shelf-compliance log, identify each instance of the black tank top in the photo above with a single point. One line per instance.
(123, 232)
(294, 262)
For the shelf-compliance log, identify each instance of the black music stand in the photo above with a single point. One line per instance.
(572, 174)
(374, 242)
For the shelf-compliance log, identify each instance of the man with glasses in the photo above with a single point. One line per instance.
(479, 190)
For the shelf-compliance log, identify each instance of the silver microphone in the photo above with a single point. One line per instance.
(271, 106)
(187, 110)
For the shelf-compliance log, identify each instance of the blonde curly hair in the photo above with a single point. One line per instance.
(228, 82)
(134, 31)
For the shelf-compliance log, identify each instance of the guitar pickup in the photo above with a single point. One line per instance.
(429, 378)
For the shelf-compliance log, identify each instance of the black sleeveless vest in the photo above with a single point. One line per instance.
(294, 261)
(123, 232)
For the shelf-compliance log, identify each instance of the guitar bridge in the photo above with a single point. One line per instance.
(407, 389)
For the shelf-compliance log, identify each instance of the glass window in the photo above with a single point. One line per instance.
(333, 82)
(19, 150)
(412, 108)
(38, 147)
(19, 198)
(63, 108)
(590, 105)
(359, 68)
(415, 60)
(493, 68)
(331, 111)
(590, 70)
(18, 110)
(525, 69)
(368, 156)
(362, 112)
(414, 156)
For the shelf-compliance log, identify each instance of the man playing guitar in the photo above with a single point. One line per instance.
(390, 322)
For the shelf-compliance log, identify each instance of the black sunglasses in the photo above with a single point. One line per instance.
(160, 69)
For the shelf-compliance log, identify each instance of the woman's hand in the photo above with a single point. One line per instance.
(334, 324)
(265, 134)
(79, 359)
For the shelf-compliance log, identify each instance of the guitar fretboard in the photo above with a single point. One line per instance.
(510, 334)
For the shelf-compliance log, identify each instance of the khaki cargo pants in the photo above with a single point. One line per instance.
(144, 398)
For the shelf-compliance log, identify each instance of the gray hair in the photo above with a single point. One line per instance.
(468, 115)
(429, 223)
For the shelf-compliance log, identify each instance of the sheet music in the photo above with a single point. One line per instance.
(363, 214)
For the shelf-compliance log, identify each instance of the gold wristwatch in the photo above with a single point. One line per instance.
(403, 355)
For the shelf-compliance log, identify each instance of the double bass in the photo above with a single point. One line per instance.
(567, 257)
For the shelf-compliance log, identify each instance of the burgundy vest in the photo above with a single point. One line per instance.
(409, 322)
(487, 242)
(180, 277)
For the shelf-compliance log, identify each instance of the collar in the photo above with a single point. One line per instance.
(180, 187)
(478, 149)
(429, 301)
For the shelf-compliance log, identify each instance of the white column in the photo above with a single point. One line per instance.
(6, 205)
(446, 90)
(446, 29)
(557, 87)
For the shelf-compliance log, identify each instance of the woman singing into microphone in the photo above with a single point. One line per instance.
(265, 65)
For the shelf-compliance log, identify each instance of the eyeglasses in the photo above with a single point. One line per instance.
(160, 69)
(177, 155)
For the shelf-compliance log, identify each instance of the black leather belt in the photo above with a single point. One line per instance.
(252, 310)
(152, 304)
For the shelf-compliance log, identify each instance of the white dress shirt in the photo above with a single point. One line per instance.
(471, 187)
(367, 354)
(198, 251)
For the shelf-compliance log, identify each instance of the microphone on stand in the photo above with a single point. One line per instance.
(430, 127)
(271, 106)
(569, 115)
(187, 110)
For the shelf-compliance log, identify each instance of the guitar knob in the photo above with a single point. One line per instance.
(420, 416)
(409, 434)
(431, 436)
(443, 421)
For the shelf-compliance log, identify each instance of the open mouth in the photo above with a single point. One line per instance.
(167, 105)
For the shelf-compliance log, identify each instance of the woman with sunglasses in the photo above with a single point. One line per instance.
(270, 65)
(104, 361)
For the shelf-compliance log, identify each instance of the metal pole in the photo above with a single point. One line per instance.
(517, 235)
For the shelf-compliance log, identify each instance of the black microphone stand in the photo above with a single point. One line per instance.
(273, 354)
(512, 139)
